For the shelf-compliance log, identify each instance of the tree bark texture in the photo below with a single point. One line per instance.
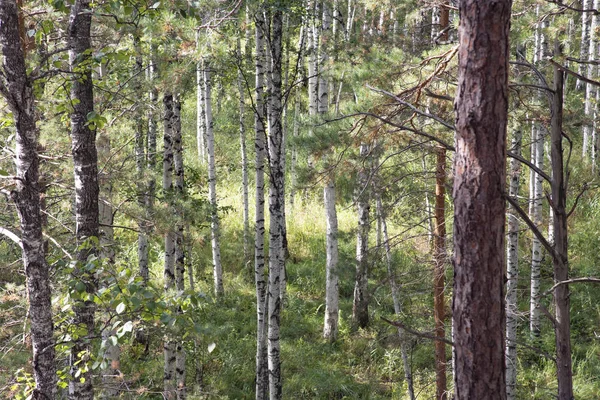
(332, 306)
(262, 377)
(17, 90)
(512, 272)
(85, 163)
(479, 207)
(440, 259)
(276, 207)
(360, 305)
(243, 154)
(169, 261)
(560, 261)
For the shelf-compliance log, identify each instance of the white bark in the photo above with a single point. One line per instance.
(200, 112)
(212, 186)
(276, 207)
(536, 216)
(360, 310)
(590, 90)
(585, 41)
(313, 59)
(262, 379)
(512, 273)
(243, 154)
(330, 329)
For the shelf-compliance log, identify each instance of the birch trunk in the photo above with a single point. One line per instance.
(262, 377)
(180, 371)
(512, 273)
(479, 204)
(332, 306)
(169, 261)
(585, 42)
(85, 163)
(396, 301)
(243, 154)
(276, 207)
(17, 90)
(200, 111)
(360, 305)
(590, 90)
(212, 186)
(536, 246)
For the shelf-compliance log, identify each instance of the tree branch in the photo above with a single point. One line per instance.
(400, 325)
(575, 74)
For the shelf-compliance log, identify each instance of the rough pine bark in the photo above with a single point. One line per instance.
(440, 258)
(560, 261)
(360, 305)
(512, 272)
(262, 377)
(17, 90)
(276, 206)
(85, 163)
(479, 207)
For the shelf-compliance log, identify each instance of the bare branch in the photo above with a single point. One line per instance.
(400, 325)
(575, 74)
(12, 236)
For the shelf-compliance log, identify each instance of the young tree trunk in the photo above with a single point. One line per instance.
(536, 199)
(17, 90)
(179, 238)
(276, 207)
(212, 186)
(85, 163)
(330, 328)
(585, 42)
(590, 90)
(262, 377)
(479, 205)
(512, 273)
(439, 253)
(244, 156)
(169, 265)
(560, 261)
(360, 305)
(200, 110)
(396, 301)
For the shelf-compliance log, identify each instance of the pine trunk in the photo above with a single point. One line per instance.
(19, 95)
(439, 252)
(560, 261)
(85, 163)
(479, 205)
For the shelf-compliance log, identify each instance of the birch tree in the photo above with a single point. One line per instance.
(262, 377)
(360, 304)
(17, 89)
(212, 184)
(276, 205)
(479, 204)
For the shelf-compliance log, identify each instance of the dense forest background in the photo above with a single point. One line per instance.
(251, 198)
